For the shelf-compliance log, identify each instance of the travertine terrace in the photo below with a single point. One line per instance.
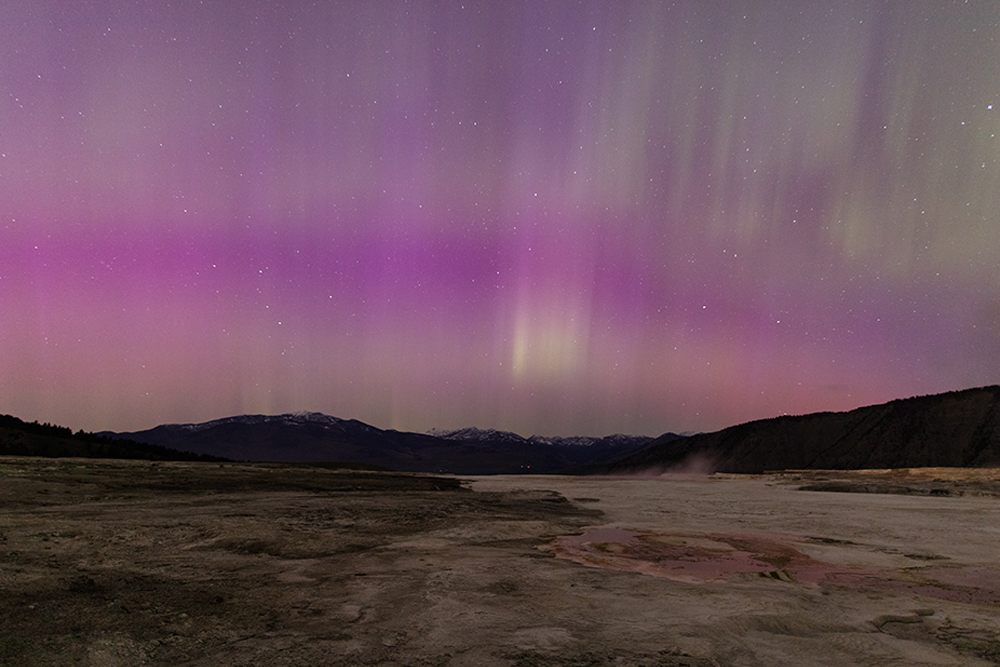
(130, 563)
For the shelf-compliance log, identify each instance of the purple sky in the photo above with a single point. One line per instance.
(550, 217)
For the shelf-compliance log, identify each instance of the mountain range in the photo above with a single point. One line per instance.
(315, 437)
(956, 429)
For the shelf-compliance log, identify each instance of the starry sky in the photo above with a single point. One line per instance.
(547, 216)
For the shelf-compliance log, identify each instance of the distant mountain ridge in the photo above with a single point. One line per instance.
(955, 429)
(290, 418)
(316, 437)
(479, 435)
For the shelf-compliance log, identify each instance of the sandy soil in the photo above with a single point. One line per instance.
(129, 563)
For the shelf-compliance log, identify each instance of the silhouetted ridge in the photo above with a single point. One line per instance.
(954, 429)
(315, 437)
(20, 438)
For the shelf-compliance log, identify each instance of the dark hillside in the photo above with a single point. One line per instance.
(955, 429)
(20, 438)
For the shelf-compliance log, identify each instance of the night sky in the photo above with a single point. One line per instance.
(551, 217)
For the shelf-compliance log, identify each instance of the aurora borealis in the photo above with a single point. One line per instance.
(550, 217)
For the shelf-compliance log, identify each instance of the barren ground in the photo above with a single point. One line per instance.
(130, 563)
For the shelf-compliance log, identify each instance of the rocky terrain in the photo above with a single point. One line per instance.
(113, 563)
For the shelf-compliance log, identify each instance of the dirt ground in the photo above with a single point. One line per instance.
(111, 563)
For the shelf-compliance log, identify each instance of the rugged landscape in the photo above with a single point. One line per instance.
(114, 563)
(871, 542)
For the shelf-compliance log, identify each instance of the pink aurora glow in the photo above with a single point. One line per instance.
(548, 217)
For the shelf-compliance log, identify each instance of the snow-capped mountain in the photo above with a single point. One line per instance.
(492, 435)
(478, 435)
(617, 440)
(291, 419)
